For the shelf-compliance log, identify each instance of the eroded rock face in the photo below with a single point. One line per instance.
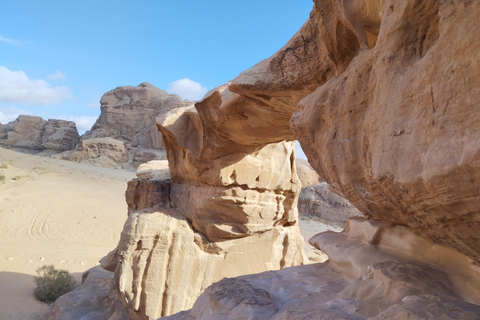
(35, 134)
(105, 152)
(384, 282)
(163, 262)
(397, 132)
(385, 93)
(387, 117)
(320, 201)
(306, 174)
(128, 114)
(125, 135)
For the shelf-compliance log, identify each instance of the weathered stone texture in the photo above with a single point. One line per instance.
(35, 134)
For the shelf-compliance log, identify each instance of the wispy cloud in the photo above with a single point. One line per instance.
(187, 89)
(57, 76)
(10, 41)
(83, 123)
(95, 103)
(17, 87)
(11, 113)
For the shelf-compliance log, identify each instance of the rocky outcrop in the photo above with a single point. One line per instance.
(306, 174)
(331, 208)
(95, 298)
(397, 131)
(184, 234)
(127, 118)
(376, 274)
(33, 134)
(105, 152)
(128, 114)
(386, 93)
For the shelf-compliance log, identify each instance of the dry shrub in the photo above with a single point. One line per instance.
(52, 283)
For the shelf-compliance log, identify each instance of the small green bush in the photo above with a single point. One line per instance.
(4, 165)
(2, 177)
(52, 283)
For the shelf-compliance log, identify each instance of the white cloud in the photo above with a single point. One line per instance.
(83, 123)
(57, 76)
(16, 87)
(11, 41)
(187, 89)
(10, 114)
(95, 103)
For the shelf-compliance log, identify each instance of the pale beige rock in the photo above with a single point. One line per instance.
(306, 174)
(387, 93)
(163, 264)
(159, 244)
(154, 170)
(145, 155)
(367, 242)
(106, 152)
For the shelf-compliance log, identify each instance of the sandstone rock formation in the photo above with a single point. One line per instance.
(127, 119)
(33, 134)
(106, 152)
(397, 132)
(180, 237)
(387, 117)
(383, 96)
(154, 170)
(318, 200)
(306, 174)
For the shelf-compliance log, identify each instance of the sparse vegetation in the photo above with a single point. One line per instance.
(19, 177)
(52, 283)
(3, 165)
(2, 177)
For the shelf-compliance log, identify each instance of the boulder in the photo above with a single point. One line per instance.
(153, 170)
(95, 298)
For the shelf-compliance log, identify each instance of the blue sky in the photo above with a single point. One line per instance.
(57, 58)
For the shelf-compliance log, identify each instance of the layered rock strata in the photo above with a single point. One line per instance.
(385, 93)
(319, 200)
(183, 234)
(387, 116)
(397, 132)
(33, 134)
(377, 274)
(127, 119)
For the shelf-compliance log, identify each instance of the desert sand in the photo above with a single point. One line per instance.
(53, 212)
(63, 213)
